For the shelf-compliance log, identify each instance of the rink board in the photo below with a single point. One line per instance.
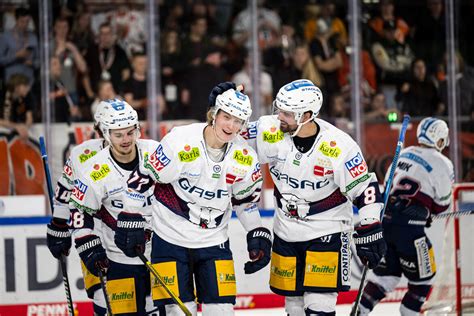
(31, 280)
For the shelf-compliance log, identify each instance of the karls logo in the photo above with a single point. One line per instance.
(189, 154)
(79, 190)
(158, 159)
(208, 195)
(86, 155)
(100, 172)
(242, 157)
(272, 136)
(356, 165)
(330, 150)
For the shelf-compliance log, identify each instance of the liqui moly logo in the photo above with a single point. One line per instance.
(158, 159)
(79, 190)
(356, 165)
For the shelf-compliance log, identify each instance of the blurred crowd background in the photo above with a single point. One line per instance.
(98, 50)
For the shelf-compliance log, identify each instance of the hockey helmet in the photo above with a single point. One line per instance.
(431, 130)
(234, 103)
(298, 97)
(115, 114)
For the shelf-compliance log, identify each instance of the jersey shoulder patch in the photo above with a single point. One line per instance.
(269, 129)
(86, 150)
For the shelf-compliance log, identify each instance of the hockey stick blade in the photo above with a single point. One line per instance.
(155, 273)
(62, 260)
(401, 140)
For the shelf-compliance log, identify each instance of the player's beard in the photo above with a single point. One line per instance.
(123, 151)
(286, 128)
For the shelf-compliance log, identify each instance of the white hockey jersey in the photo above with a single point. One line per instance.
(195, 195)
(103, 189)
(77, 158)
(314, 191)
(424, 177)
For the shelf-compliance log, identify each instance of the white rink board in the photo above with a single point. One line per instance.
(29, 274)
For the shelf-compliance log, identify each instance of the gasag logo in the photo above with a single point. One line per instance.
(99, 172)
(189, 154)
(330, 149)
(356, 165)
(242, 157)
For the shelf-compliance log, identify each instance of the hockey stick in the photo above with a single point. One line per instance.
(103, 285)
(62, 260)
(176, 299)
(452, 214)
(401, 140)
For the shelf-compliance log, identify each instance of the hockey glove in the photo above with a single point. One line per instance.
(370, 245)
(92, 253)
(58, 237)
(130, 234)
(219, 89)
(259, 246)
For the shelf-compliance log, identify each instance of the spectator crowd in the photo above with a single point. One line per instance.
(98, 51)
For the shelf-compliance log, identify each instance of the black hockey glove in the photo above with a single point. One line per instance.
(130, 234)
(92, 253)
(259, 246)
(370, 245)
(219, 89)
(58, 237)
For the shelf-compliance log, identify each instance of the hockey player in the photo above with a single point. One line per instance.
(58, 234)
(422, 186)
(203, 171)
(319, 173)
(111, 188)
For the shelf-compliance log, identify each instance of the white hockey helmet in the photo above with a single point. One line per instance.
(116, 114)
(234, 103)
(431, 130)
(99, 112)
(298, 97)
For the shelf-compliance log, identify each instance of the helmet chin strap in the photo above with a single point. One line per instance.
(300, 125)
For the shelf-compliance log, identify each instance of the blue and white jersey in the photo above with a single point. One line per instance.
(103, 189)
(77, 159)
(194, 195)
(423, 177)
(314, 191)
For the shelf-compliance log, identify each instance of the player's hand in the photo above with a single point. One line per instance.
(370, 244)
(130, 234)
(259, 246)
(219, 89)
(58, 237)
(92, 253)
